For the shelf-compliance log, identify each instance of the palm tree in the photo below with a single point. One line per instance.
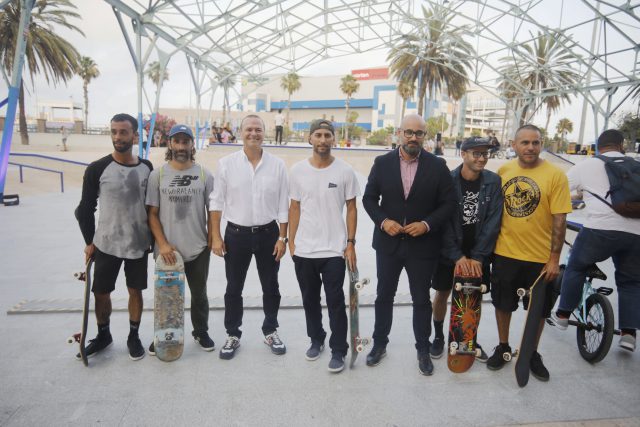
(635, 94)
(434, 54)
(154, 71)
(544, 66)
(348, 85)
(87, 70)
(46, 51)
(227, 81)
(291, 83)
(406, 89)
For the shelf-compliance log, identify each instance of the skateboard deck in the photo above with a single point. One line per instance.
(530, 330)
(357, 342)
(466, 299)
(168, 309)
(81, 337)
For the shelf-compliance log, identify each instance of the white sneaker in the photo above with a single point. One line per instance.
(628, 342)
(558, 322)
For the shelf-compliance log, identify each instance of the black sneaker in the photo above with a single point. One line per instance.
(96, 345)
(314, 351)
(497, 360)
(229, 348)
(437, 348)
(136, 350)
(275, 343)
(336, 364)
(483, 357)
(376, 355)
(206, 343)
(537, 367)
(152, 349)
(425, 366)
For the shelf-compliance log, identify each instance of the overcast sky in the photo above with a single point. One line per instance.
(115, 90)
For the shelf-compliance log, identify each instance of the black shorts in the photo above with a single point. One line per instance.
(443, 277)
(508, 275)
(107, 267)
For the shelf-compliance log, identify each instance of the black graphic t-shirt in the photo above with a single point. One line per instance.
(470, 207)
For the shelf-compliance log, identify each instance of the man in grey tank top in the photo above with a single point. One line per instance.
(178, 202)
(122, 234)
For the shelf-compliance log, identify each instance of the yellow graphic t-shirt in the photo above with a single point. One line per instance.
(531, 197)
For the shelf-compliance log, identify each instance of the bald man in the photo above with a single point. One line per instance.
(409, 196)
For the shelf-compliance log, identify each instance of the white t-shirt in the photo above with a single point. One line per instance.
(590, 175)
(279, 119)
(322, 193)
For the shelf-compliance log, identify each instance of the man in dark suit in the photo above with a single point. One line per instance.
(409, 196)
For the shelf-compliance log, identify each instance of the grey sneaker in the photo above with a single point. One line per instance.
(314, 351)
(558, 322)
(336, 364)
(229, 348)
(627, 342)
(437, 348)
(276, 344)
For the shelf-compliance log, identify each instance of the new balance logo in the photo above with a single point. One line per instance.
(332, 185)
(183, 181)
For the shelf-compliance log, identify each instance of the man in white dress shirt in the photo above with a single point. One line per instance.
(251, 192)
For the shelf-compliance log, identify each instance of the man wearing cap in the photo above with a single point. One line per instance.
(252, 193)
(470, 236)
(409, 196)
(178, 201)
(319, 241)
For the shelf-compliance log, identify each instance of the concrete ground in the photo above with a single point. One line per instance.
(42, 383)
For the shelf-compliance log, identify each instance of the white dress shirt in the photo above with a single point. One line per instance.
(590, 175)
(249, 197)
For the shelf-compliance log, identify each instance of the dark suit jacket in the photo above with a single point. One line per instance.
(431, 199)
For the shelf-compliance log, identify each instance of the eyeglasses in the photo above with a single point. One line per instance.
(478, 154)
(408, 133)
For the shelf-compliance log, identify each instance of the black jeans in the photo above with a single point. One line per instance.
(279, 130)
(311, 274)
(241, 245)
(419, 272)
(197, 272)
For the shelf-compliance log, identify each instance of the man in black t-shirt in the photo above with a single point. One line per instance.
(470, 236)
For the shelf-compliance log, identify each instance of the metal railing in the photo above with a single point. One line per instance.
(20, 165)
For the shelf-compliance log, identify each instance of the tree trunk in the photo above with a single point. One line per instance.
(288, 109)
(24, 135)
(546, 126)
(224, 108)
(346, 120)
(422, 95)
(86, 106)
(404, 106)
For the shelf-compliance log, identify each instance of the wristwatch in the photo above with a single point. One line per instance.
(351, 241)
(284, 240)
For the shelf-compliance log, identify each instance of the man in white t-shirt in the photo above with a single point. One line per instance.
(605, 234)
(320, 242)
(279, 127)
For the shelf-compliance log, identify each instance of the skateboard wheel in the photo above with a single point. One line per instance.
(454, 345)
(478, 352)
(483, 288)
(452, 351)
(506, 357)
(521, 292)
(458, 286)
(181, 277)
(70, 340)
(155, 277)
(359, 348)
(359, 285)
(365, 281)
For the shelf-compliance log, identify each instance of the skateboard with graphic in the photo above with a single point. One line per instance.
(535, 294)
(168, 309)
(466, 299)
(81, 337)
(357, 342)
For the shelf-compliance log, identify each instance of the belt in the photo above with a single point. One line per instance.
(253, 229)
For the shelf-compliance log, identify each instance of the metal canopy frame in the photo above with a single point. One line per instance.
(254, 39)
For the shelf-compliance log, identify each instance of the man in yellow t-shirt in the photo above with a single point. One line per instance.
(536, 203)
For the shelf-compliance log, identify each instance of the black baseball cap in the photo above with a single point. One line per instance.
(475, 141)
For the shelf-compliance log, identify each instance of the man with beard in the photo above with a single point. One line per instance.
(410, 198)
(470, 236)
(178, 202)
(319, 242)
(252, 190)
(536, 203)
(122, 234)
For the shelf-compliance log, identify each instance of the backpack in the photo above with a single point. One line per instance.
(624, 185)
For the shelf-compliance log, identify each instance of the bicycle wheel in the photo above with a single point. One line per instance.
(594, 340)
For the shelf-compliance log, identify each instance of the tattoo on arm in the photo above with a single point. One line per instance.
(558, 232)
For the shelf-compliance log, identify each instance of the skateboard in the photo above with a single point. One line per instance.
(81, 337)
(168, 309)
(357, 342)
(530, 330)
(466, 299)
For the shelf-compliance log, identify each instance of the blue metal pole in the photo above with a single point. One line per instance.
(152, 125)
(14, 90)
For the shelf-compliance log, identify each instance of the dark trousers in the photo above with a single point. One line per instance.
(311, 274)
(241, 246)
(419, 272)
(197, 272)
(279, 130)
